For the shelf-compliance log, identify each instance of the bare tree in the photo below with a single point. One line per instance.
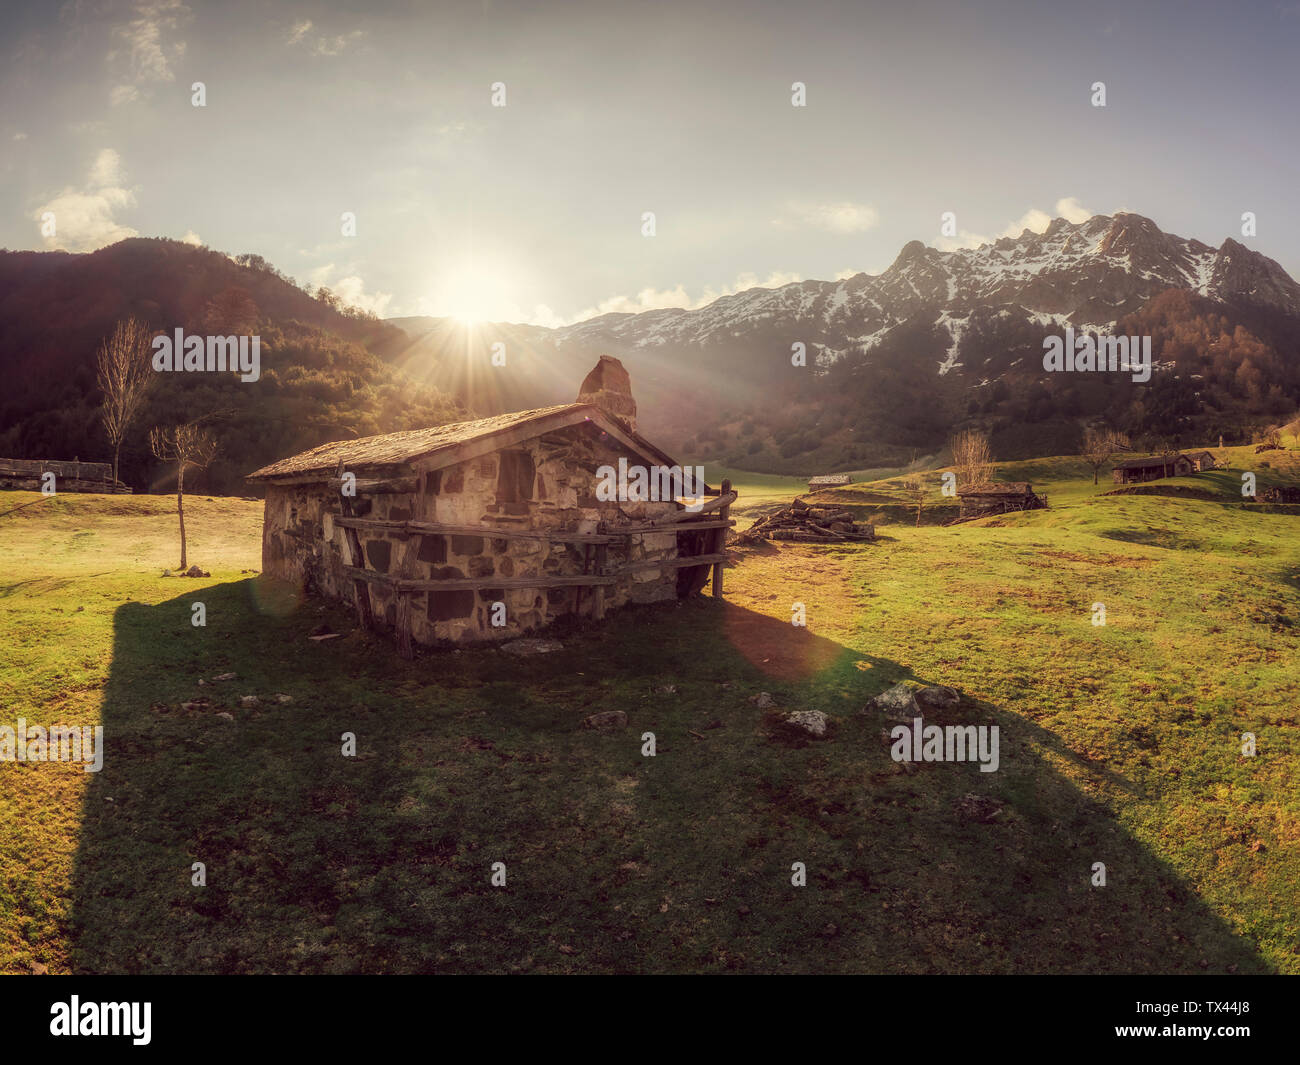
(971, 456)
(189, 446)
(1099, 447)
(1270, 435)
(915, 489)
(125, 374)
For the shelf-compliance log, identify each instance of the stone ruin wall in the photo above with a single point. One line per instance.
(296, 546)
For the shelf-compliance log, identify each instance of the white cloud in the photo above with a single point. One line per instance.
(334, 45)
(123, 94)
(192, 238)
(83, 217)
(652, 299)
(321, 44)
(1071, 210)
(150, 55)
(841, 217)
(106, 169)
(20, 136)
(351, 290)
(1035, 220)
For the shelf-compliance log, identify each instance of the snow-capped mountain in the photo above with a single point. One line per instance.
(1088, 274)
(939, 340)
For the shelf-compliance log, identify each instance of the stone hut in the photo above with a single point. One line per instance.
(487, 529)
(997, 497)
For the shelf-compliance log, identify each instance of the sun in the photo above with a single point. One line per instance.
(471, 296)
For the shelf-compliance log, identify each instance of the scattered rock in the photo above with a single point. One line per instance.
(898, 703)
(225, 716)
(666, 689)
(325, 636)
(202, 682)
(812, 722)
(167, 573)
(195, 707)
(79, 610)
(39, 968)
(937, 697)
(194, 571)
(606, 721)
(979, 808)
(321, 630)
(713, 725)
(531, 645)
(249, 702)
(281, 698)
(226, 676)
(763, 701)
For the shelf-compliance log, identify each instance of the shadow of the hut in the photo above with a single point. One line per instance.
(316, 862)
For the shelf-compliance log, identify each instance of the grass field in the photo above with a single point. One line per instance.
(1119, 744)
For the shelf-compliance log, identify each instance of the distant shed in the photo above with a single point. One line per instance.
(997, 497)
(29, 475)
(828, 480)
(1154, 467)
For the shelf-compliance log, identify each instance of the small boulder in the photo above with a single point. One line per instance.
(531, 645)
(980, 808)
(763, 701)
(283, 699)
(249, 702)
(897, 703)
(194, 571)
(937, 697)
(813, 722)
(606, 721)
(226, 716)
(225, 676)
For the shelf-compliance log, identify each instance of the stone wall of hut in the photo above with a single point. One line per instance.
(557, 474)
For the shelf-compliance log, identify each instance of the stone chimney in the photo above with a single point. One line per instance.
(610, 388)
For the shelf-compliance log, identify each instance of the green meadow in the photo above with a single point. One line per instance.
(1120, 744)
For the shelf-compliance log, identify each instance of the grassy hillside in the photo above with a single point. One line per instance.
(1119, 744)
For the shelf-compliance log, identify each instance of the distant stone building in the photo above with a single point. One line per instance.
(487, 529)
(1153, 467)
(828, 480)
(1201, 460)
(29, 475)
(997, 497)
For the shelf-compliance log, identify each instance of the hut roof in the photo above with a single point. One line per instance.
(394, 449)
(997, 488)
(1150, 460)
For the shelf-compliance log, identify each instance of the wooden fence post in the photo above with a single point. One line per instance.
(720, 542)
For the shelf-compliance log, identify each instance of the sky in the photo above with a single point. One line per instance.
(535, 211)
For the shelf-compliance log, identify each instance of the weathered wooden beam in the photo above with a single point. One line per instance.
(722, 502)
(379, 486)
(685, 562)
(505, 533)
(676, 526)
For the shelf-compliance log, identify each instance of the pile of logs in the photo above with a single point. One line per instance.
(808, 524)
